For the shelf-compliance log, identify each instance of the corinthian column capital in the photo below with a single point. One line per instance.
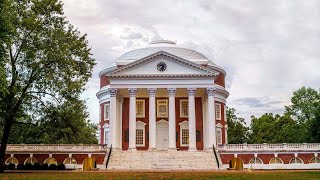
(132, 92)
(191, 91)
(152, 91)
(171, 91)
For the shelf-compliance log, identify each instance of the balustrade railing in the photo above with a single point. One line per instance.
(270, 147)
(56, 148)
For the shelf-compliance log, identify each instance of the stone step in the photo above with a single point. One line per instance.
(170, 160)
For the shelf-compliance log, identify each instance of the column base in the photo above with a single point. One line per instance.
(152, 149)
(132, 149)
(172, 149)
(208, 149)
(192, 149)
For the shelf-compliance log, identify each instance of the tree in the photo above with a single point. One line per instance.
(237, 130)
(304, 104)
(46, 61)
(271, 128)
(67, 123)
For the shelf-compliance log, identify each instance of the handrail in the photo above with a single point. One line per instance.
(109, 156)
(215, 155)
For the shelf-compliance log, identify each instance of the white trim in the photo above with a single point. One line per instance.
(166, 104)
(181, 114)
(106, 133)
(143, 108)
(183, 125)
(142, 126)
(219, 125)
(105, 110)
(218, 111)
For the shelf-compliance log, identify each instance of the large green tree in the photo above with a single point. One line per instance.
(271, 128)
(237, 129)
(46, 61)
(65, 123)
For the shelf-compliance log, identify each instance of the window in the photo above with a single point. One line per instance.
(140, 110)
(70, 161)
(314, 160)
(184, 133)
(219, 136)
(50, 160)
(106, 111)
(218, 111)
(162, 108)
(30, 160)
(12, 160)
(139, 137)
(256, 160)
(140, 134)
(295, 160)
(184, 108)
(184, 137)
(275, 160)
(106, 136)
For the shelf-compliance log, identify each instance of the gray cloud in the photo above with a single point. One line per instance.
(268, 48)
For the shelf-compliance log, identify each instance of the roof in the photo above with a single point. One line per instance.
(163, 45)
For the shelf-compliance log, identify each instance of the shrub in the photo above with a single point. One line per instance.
(52, 167)
(5, 166)
(28, 166)
(11, 166)
(44, 166)
(36, 166)
(61, 167)
(20, 167)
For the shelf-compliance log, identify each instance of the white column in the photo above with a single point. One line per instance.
(226, 134)
(172, 118)
(192, 119)
(113, 117)
(120, 103)
(132, 118)
(204, 121)
(152, 118)
(211, 120)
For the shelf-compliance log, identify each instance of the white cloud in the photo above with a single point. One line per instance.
(268, 48)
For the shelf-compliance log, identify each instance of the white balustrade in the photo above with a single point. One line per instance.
(14, 148)
(269, 147)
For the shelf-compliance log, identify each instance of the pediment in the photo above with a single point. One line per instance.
(175, 67)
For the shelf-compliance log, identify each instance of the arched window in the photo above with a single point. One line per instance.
(295, 160)
(70, 161)
(30, 160)
(12, 160)
(50, 160)
(315, 160)
(256, 160)
(275, 160)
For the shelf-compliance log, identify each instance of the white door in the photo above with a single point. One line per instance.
(162, 135)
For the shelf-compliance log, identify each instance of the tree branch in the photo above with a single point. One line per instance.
(24, 123)
(46, 93)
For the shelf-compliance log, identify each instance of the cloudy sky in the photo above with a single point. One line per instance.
(268, 48)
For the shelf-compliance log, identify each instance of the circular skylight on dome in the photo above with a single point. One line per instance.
(162, 42)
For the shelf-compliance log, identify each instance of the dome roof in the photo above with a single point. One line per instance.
(162, 45)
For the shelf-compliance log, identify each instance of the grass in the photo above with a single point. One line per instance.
(263, 175)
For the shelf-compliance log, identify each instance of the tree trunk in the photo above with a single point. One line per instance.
(5, 136)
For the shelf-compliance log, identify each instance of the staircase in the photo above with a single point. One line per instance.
(162, 160)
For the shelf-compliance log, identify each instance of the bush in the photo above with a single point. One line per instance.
(36, 166)
(5, 166)
(52, 167)
(11, 166)
(61, 167)
(44, 166)
(28, 166)
(20, 167)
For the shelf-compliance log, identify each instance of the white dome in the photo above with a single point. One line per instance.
(162, 45)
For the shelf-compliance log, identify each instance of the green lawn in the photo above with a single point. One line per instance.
(263, 175)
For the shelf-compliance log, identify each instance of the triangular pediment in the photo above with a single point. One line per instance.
(174, 67)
